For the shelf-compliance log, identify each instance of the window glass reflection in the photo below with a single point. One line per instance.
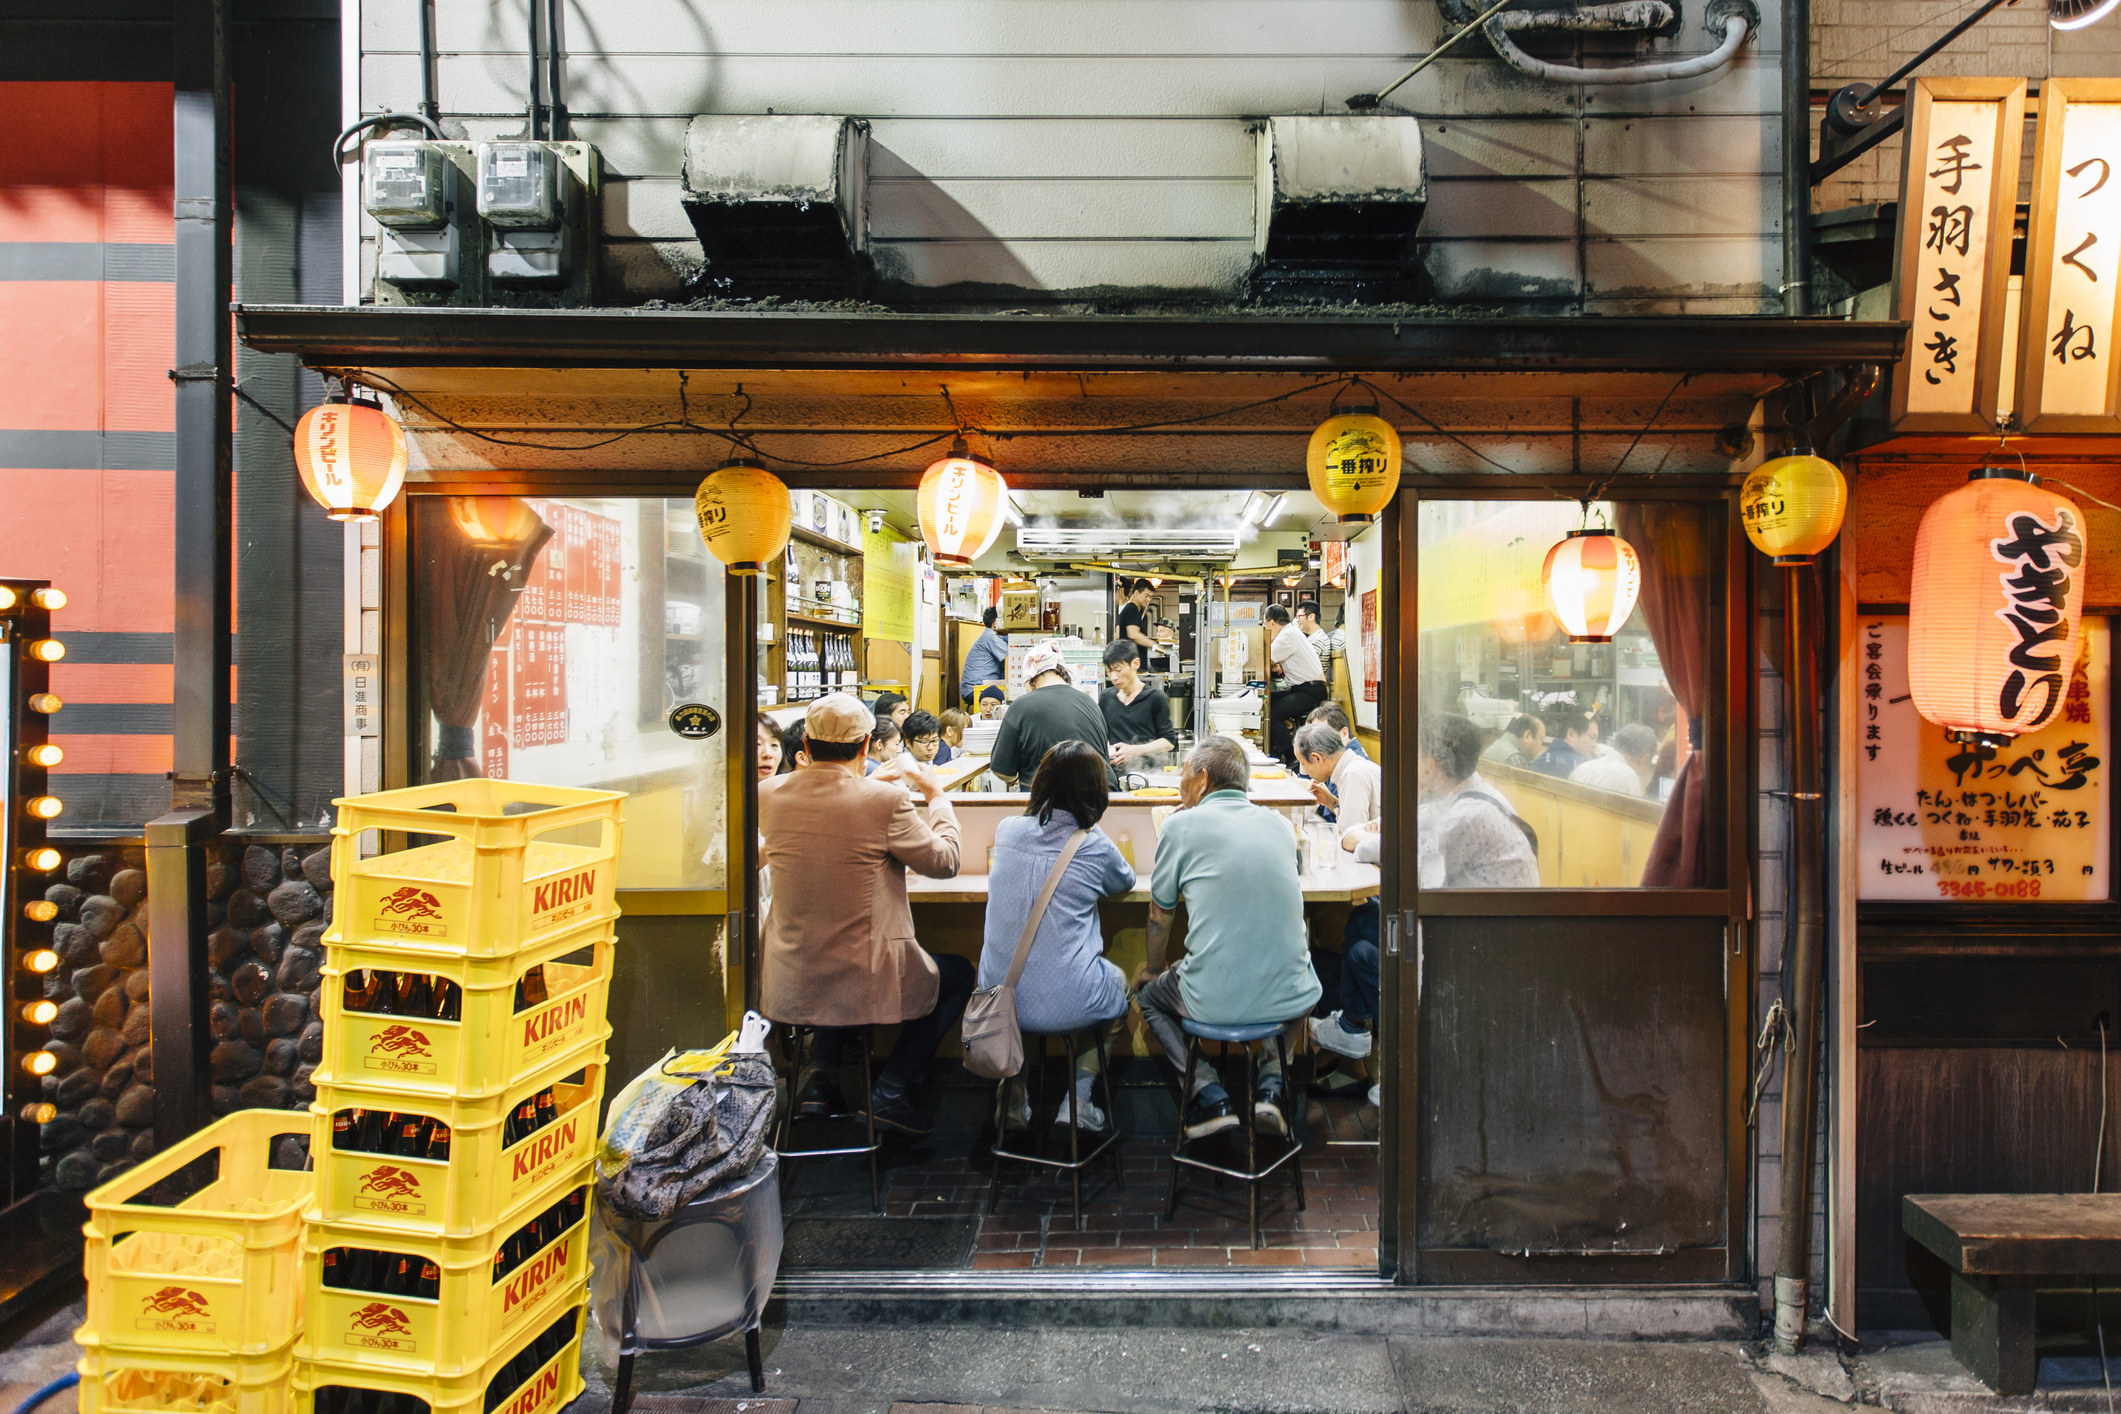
(1551, 762)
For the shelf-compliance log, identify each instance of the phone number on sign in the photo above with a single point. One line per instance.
(1981, 888)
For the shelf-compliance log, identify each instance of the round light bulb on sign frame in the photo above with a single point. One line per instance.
(50, 600)
(352, 458)
(40, 1012)
(45, 650)
(44, 703)
(43, 860)
(42, 960)
(46, 756)
(1592, 578)
(39, 910)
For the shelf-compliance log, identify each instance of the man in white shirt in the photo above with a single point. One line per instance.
(1359, 804)
(1308, 625)
(1630, 767)
(1303, 683)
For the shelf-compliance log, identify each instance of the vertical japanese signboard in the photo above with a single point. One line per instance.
(890, 572)
(1939, 821)
(2068, 378)
(1958, 195)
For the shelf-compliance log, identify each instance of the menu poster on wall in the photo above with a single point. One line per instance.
(1940, 821)
(574, 580)
(890, 571)
(1372, 650)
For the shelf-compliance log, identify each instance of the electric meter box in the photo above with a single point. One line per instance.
(519, 185)
(406, 185)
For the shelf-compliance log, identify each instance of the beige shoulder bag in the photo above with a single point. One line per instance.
(994, 1045)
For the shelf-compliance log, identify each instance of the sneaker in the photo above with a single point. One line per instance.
(821, 1099)
(1093, 1118)
(1377, 1093)
(1267, 1116)
(896, 1113)
(1337, 1036)
(1209, 1113)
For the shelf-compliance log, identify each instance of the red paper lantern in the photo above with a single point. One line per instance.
(1995, 606)
(961, 506)
(1592, 578)
(352, 458)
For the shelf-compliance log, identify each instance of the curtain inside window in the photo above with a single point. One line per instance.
(465, 589)
(1675, 542)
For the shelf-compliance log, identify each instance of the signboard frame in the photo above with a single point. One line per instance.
(2034, 336)
(2006, 100)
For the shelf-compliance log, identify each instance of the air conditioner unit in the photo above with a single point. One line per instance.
(1105, 543)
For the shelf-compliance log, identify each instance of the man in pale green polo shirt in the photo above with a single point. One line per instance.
(1233, 864)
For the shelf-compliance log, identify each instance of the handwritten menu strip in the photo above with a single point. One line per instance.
(1941, 821)
(2068, 378)
(1958, 194)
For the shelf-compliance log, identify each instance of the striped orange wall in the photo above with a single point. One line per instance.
(87, 420)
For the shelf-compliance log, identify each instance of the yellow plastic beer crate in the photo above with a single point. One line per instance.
(322, 1386)
(484, 1182)
(491, 1045)
(217, 1273)
(473, 1312)
(158, 1382)
(515, 865)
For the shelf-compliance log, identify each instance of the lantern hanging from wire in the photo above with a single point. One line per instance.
(1354, 464)
(1792, 506)
(961, 506)
(1995, 606)
(351, 456)
(744, 514)
(1592, 578)
(494, 522)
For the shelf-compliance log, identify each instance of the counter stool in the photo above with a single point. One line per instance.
(801, 1041)
(1077, 1160)
(1294, 1099)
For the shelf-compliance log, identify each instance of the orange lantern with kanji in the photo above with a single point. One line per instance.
(352, 458)
(1592, 578)
(1995, 606)
(962, 502)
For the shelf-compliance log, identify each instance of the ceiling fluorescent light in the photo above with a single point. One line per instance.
(1273, 514)
(1254, 504)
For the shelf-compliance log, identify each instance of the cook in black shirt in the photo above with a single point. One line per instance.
(1137, 716)
(1134, 619)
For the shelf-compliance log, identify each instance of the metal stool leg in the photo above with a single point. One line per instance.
(1300, 1131)
(756, 1358)
(876, 1188)
(1075, 1174)
(1178, 1147)
(994, 1184)
(799, 1050)
(1252, 1140)
(1104, 1071)
(622, 1391)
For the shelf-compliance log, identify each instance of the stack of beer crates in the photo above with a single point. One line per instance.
(194, 1268)
(445, 1258)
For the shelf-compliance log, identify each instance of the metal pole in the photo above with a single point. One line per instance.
(740, 696)
(1796, 157)
(178, 997)
(1804, 953)
(204, 475)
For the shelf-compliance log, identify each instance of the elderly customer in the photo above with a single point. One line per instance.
(1067, 983)
(1519, 744)
(1470, 836)
(1233, 865)
(1629, 770)
(838, 949)
(1052, 711)
(1355, 787)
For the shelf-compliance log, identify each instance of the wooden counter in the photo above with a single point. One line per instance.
(1351, 883)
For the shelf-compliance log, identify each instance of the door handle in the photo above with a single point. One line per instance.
(1392, 935)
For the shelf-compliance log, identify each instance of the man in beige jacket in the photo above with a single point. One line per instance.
(837, 949)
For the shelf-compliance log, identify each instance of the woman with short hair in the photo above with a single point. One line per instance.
(1067, 984)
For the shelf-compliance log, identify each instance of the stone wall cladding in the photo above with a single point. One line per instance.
(266, 912)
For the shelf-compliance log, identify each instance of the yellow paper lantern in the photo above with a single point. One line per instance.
(744, 515)
(352, 458)
(1354, 464)
(495, 522)
(1995, 606)
(961, 507)
(1792, 506)
(1592, 578)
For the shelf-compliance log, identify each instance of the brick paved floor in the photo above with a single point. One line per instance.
(1124, 1226)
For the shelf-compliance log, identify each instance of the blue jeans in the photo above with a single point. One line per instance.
(1358, 964)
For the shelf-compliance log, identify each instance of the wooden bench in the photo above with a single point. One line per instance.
(2001, 1247)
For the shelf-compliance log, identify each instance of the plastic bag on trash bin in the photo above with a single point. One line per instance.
(691, 1121)
(703, 1274)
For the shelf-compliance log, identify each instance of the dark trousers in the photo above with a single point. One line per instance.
(1358, 964)
(1286, 711)
(920, 1038)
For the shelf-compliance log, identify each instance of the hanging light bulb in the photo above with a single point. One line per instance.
(1995, 606)
(352, 458)
(1354, 464)
(744, 515)
(1792, 506)
(960, 502)
(1591, 579)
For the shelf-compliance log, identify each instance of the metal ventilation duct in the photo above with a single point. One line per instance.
(1112, 545)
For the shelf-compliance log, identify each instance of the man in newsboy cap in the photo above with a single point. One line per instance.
(838, 949)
